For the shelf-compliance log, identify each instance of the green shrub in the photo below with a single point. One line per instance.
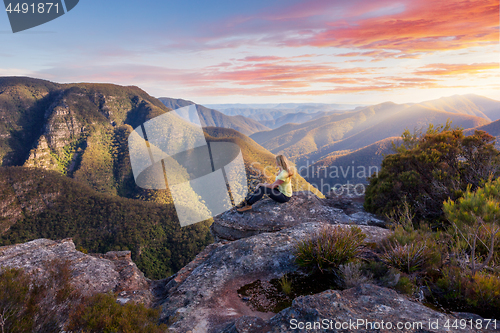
(285, 284)
(330, 247)
(15, 296)
(406, 285)
(353, 275)
(410, 249)
(31, 303)
(484, 291)
(451, 282)
(476, 219)
(101, 313)
(478, 294)
(429, 168)
(407, 258)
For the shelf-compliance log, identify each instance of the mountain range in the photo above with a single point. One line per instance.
(214, 118)
(65, 171)
(276, 115)
(64, 153)
(317, 138)
(351, 138)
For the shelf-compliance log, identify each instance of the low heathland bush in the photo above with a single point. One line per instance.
(43, 303)
(353, 275)
(408, 258)
(475, 219)
(330, 247)
(101, 313)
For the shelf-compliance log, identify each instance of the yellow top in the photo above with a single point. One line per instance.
(286, 186)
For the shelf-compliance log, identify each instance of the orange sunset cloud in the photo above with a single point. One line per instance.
(457, 69)
(425, 26)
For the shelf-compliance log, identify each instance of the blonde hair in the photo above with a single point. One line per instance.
(285, 165)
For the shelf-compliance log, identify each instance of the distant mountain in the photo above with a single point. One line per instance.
(44, 121)
(343, 166)
(467, 104)
(414, 117)
(211, 117)
(349, 159)
(274, 116)
(298, 118)
(286, 106)
(257, 114)
(318, 138)
(492, 128)
(351, 167)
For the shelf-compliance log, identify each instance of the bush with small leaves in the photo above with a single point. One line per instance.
(352, 275)
(428, 168)
(484, 291)
(15, 296)
(330, 247)
(478, 294)
(476, 219)
(406, 285)
(408, 237)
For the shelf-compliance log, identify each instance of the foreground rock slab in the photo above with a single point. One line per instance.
(362, 309)
(97, 273)
(269, 216)
(203, 297)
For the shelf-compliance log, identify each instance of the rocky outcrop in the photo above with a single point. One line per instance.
(366, 308)
(269, 216)
(90, 274)
(61, 128)
(204, 298)
(350, 201)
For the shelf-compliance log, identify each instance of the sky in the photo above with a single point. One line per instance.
(272, 51)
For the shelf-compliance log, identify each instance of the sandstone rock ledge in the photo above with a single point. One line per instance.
(269, 216)
(95, 273)
(204, 298)
(370, 307)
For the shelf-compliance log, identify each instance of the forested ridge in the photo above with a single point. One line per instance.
(44, 204)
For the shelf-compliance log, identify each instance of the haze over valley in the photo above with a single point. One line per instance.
(348, 137)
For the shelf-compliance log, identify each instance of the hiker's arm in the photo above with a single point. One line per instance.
(273, 185)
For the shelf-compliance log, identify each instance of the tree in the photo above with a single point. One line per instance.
(475, 214)
(428, 168)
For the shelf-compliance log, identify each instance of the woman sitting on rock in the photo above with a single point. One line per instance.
(280, 190)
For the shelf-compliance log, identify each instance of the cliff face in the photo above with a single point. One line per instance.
(84, 115)
(43, 122)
